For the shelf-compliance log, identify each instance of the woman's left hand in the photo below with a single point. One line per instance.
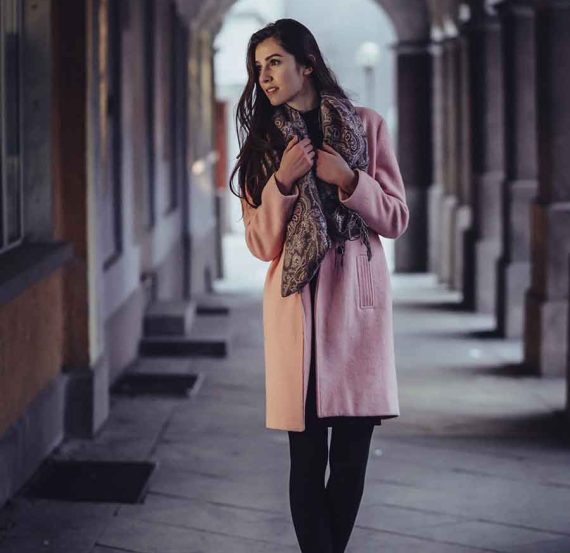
(332, 168)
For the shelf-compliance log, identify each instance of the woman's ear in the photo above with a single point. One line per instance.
(309, 69)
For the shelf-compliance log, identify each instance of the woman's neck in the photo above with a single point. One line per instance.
(307, 99)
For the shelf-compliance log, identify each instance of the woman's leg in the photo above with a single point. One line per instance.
(348, 458)
(309, 510)
(309, 455)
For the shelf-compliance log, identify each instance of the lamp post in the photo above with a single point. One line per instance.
(367, 57)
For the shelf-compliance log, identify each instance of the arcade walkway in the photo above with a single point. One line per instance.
(476, 462)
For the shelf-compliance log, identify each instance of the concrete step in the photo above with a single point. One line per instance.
(169, 318)
(209, 336)
(210, 304)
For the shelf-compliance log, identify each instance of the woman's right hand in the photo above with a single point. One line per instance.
(297, 159)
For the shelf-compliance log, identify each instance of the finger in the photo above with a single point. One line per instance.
(329, 149)
(291, 143)
(305, 141)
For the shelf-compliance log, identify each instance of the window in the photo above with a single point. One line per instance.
(149, 83)
(110, 110)
(11, 185)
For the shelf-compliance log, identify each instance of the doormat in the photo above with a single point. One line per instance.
(135, 384)
(96, 481)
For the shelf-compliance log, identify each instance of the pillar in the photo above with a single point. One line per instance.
(414, 148)
(519, 186)
(436, 190)
(487, 159)
(450, 165)
(546, 309)
(463, 258)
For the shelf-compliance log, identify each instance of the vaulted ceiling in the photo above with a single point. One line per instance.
(413, 19)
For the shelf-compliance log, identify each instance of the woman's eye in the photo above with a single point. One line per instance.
(276, 61)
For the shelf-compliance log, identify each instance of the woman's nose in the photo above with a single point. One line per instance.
(265, 76)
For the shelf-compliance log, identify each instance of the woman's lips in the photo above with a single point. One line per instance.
(272, 90)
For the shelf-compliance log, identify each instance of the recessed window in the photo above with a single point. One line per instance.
(11, 186)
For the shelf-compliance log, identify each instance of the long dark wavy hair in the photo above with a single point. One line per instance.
(258, 138)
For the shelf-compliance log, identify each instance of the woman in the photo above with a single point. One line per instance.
(319, 182)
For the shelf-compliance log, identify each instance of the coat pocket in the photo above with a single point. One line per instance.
(364, 275)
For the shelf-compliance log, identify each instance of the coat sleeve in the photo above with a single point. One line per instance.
(381, 200)
(265, 225)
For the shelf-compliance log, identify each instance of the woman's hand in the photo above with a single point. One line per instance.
(297, 159)
(332, 168)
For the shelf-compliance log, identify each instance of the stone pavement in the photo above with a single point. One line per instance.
(477, 461)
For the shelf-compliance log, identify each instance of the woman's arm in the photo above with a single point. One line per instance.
(265, 225)
(381, 201)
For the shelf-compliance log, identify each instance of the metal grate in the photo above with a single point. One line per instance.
(177, 385)
(95, 481)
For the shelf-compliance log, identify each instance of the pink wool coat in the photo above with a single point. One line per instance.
(355, 370)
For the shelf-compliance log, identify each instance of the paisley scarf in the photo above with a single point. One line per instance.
(319, 221)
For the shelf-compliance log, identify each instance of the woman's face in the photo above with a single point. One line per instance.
(279, 76)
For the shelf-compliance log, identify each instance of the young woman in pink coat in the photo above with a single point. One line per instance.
(319, 182)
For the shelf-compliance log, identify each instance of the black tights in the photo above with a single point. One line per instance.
(323, 516)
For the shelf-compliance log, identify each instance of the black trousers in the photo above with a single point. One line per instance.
(324, 515)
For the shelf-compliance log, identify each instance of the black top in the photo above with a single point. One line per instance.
(311, 118)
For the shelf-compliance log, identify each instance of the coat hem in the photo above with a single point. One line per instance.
(275, 426)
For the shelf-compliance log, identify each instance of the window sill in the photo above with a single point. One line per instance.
(28, 264)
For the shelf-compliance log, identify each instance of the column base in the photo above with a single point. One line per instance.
(513, 280)
(546, 335)
(448, 224)
(488, 247)
(411, 247)
(468, 284)
(86, 401)
(435, 195)
(463, 222)
(486, 256)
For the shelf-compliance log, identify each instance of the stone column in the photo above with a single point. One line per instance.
(79, 30)
(463, 259)
(436, 189)
(414, 148)
(487, 155)
(519, 186)
(451, 163)
(546, 310)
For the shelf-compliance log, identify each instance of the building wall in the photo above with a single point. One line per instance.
(31, 346)
(151, 247)
(71, 322)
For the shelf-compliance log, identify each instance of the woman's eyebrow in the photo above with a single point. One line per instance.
(270, 56)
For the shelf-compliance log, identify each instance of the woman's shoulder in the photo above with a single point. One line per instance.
(371, 119)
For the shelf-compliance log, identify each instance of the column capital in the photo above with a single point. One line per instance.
(552, 4)
(516, 7)
(411, 47)
(480, 21)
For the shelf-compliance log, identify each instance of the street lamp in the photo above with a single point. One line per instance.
(367, 57)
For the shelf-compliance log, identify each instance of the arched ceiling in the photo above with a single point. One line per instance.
(411, 18)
